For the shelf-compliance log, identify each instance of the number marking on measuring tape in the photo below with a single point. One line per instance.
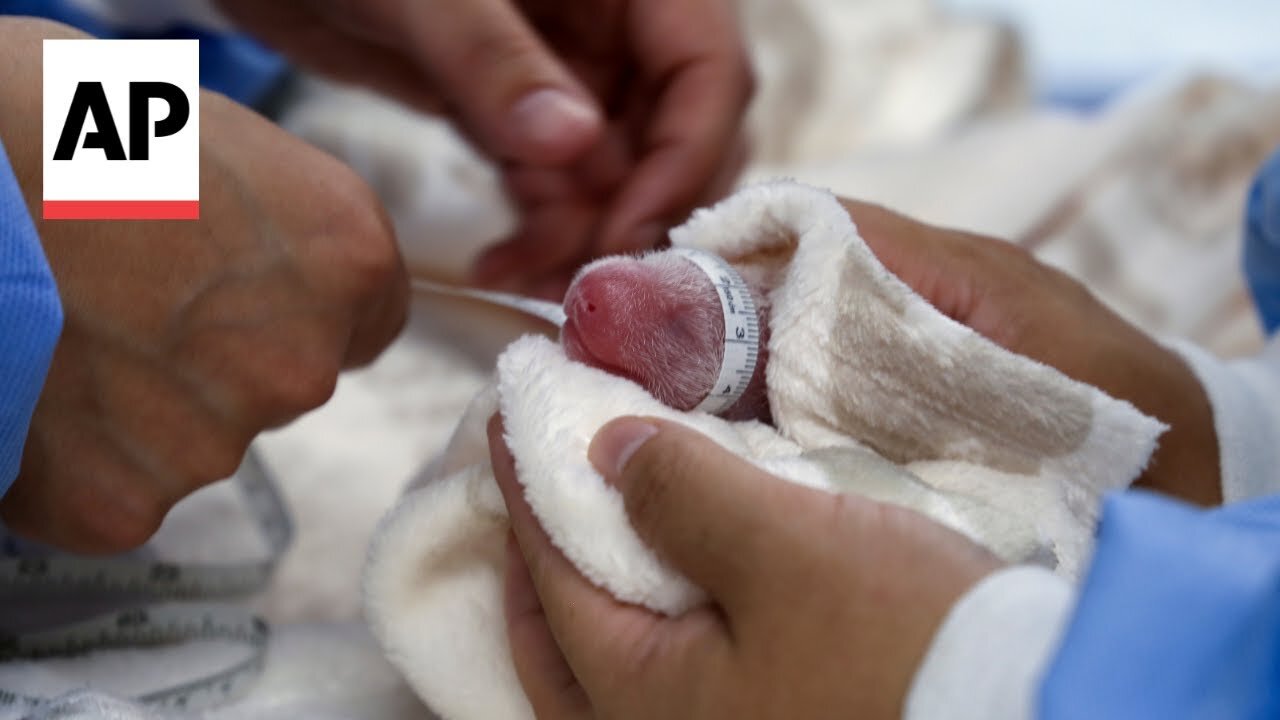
(741, 330)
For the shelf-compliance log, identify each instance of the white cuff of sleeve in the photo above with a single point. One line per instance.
(987, 659)
(1245, 395)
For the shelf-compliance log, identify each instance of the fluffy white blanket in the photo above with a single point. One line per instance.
(872, 391)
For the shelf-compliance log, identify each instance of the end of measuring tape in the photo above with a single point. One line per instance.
(741, 330)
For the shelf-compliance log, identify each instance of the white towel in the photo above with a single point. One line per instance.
(872, 391)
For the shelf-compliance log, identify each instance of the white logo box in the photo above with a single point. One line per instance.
(166, 185)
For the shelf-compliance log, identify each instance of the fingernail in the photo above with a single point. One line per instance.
(616, 442)
(554, 119)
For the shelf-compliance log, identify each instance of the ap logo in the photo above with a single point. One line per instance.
(121, 130)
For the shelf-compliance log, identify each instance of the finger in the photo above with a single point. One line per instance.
(313, 41)
(930, 260)
(347, 59)
(385, 71)
(512, 93)
(604, 641)
(548, 682)
(528, 186)
(602, 171)
(714, 517)
(594, 177)
(893, 238)
(704, 83)
(550, 238)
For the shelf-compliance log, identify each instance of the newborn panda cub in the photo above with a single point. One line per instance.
(657, 320)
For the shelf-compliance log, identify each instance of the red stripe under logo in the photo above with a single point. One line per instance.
(121, 209)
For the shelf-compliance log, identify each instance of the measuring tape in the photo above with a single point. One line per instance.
(36, 577)
(545, 309)
(741, 330)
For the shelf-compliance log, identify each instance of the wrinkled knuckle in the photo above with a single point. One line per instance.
(646, 656)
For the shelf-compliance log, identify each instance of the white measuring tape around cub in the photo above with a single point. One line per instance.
(52, 577)
(741, 330)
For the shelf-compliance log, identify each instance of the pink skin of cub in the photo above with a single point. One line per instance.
(656, 320)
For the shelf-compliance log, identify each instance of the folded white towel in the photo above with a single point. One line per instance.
(872, 391)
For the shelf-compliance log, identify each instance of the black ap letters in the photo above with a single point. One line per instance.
(91, 98)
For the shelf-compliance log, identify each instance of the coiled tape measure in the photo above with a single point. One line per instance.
(741, 323)
(172, 614)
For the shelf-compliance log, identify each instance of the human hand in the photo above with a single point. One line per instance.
(184, 340)
(822, 605)
(612, 120)
(1002, 292)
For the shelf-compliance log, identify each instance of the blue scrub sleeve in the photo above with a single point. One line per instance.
(30, 321)
(1262, 243)
(230, 63)
(1179, 617)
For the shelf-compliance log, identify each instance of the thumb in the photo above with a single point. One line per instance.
(716, 518)
(512, 94)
